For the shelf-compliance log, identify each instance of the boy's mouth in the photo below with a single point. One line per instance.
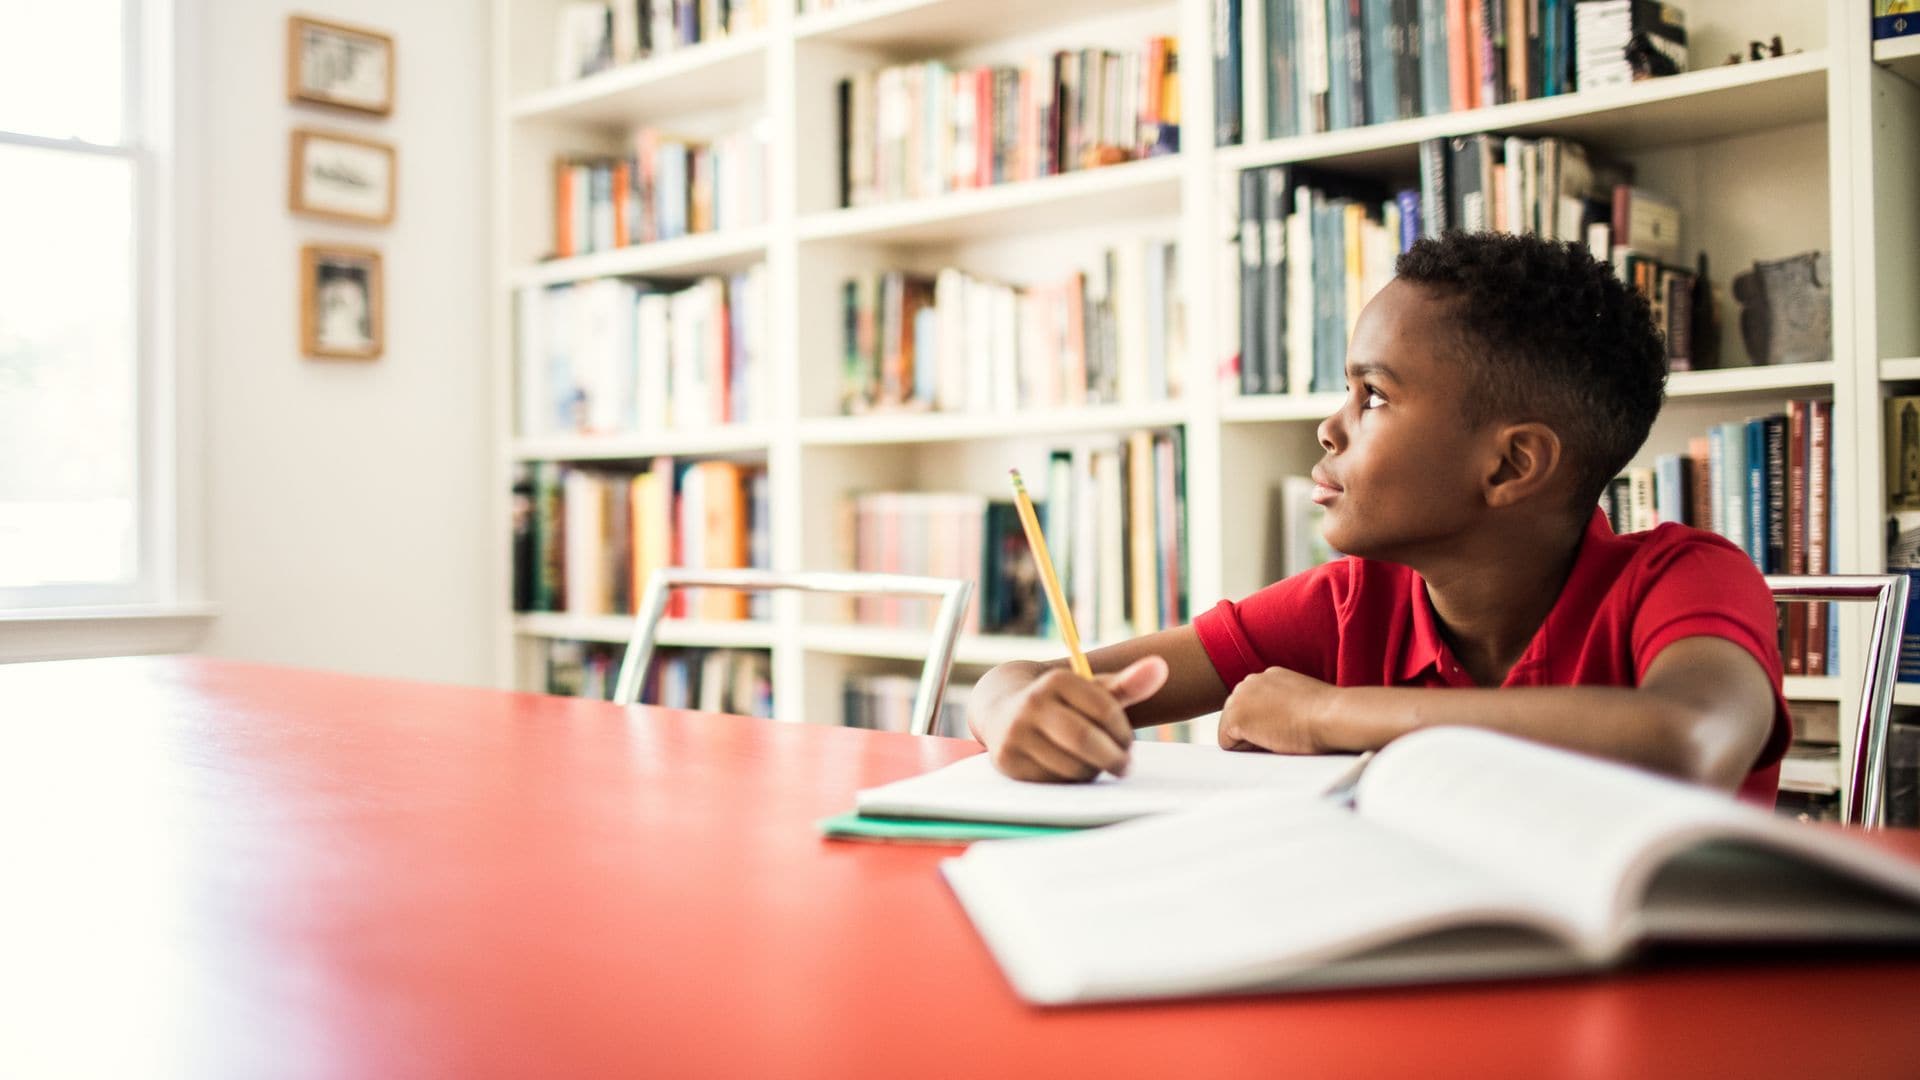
(1323, 486)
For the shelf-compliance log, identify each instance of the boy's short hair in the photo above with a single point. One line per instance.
(1546, 332)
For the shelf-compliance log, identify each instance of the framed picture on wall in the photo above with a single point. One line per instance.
(341, 304)
(342, 177)
(343, 66)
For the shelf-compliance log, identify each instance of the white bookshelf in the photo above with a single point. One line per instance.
(684, 256)
(1692, 107)
(1817, 149)
(1900, 55)
(1056, 203)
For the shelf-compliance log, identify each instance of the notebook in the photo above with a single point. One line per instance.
(1160, 777)
(1465, 854)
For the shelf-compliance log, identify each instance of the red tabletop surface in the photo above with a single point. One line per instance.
(225, 869)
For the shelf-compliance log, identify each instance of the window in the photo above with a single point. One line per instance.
(83, 355)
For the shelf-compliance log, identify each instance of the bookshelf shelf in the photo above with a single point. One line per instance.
(1901, 55)
(972, 649)
(704, 253)
(1812, 687)
(699, 77)
(1901, 369)
(744, 634)
(700, 442)
(1134, 189)
(1727, 383)
(928, 25)
(1906, 693)
(1697, 106)
(1264, 408)
(1732, 382)
(897, 428)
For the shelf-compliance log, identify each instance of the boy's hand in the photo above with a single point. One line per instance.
(1276, 710)
(1062, 727)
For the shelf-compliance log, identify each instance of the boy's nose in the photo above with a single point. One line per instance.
(1329, 433)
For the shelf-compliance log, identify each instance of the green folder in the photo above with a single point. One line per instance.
(852, 826)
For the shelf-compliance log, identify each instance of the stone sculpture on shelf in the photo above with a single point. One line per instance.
(1786, 309)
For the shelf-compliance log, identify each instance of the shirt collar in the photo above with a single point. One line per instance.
(1426, 648)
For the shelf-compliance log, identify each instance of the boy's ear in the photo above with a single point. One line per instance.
(1526, 462)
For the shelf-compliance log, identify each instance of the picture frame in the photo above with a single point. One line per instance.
(342, 302)
(339, 66)
(341, 177)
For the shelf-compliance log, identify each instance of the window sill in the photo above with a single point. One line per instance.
(74, 633)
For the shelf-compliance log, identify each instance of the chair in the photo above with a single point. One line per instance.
(953, 594)
(1863, 802)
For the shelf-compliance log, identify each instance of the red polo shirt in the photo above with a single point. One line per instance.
(1360, 622)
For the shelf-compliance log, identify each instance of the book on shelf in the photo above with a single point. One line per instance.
(958, 342)
(592, 537)
(911, 131)
(620, 356)
(884, 702)
(1113, 514)
(1313, 250)
(595, 35)
(1283, 68)
(666, 188)
(1618, 41)
(1465, 855)
(1310, 249)
(1895, 18)
(738, 681)
(1762, 483)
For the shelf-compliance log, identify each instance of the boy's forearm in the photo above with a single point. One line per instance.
(1623, 724)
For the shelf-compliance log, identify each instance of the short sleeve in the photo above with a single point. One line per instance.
(1699, 585)
(1292, 624)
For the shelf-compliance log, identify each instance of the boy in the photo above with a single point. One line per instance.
(1494, 387)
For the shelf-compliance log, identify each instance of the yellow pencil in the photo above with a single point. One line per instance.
(1056, 600)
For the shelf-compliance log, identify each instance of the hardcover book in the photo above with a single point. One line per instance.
(1464, 855)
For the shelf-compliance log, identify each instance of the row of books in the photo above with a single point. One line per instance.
(618, 355)
(884, 702)
(587, 540)
(595, 35)
(1554, 188)
(915, 130)
(956, 342)
(1310, 252)
(1765, 484)
(666, 188)
(1115, 522)
(1296, 67)
(738, 681)
(1309, 249)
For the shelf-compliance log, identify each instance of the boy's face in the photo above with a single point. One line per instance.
(1401, 472)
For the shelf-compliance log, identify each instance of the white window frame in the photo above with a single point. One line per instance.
(160, 610)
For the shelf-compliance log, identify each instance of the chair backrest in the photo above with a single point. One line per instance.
(1863, 802)
(952, 592)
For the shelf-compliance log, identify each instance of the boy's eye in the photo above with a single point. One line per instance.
(1374, 400)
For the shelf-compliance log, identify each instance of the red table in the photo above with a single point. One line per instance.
(226, 869)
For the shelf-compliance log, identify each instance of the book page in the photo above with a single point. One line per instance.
(1247, 892)
(1162, 776)
(1566, 826)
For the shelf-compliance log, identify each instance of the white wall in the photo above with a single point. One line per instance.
(344, 505)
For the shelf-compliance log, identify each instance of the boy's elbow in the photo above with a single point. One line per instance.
(1717, 748)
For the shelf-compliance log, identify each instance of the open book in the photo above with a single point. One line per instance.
(1466, 855)
(1160, 777)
